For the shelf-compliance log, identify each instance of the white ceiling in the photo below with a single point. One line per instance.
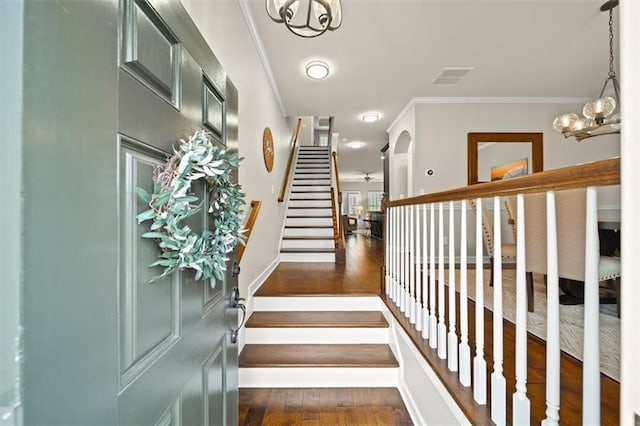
(389, 51)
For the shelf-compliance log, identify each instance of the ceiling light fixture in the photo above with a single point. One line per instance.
(370, 117)
(367, 178)
(599, 118)
(306, 18)
(317, 70)
(355, 145)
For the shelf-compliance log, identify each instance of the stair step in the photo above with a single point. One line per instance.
(306, 232)
(316, 216)
(309, 221)
(336, 319)
(307, 250)
(354, 356)
(309, 204)
(305, 242)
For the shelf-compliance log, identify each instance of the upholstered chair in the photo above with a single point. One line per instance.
(571, 227)
(508, 249)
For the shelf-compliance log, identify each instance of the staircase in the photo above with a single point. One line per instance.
(308, 232)
(315, 342)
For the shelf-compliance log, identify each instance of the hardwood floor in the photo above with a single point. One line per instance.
(361, 275)
(327, 406)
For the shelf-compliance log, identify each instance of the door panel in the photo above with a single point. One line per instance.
(103, 345)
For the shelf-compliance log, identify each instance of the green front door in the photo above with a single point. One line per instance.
(110, 86)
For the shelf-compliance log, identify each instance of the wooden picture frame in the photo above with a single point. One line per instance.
(474, 139)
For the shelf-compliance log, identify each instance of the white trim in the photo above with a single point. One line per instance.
(317, 303)
(317, 335)
(317, 377)
(262, 54)
(485, 100)
(251, 290)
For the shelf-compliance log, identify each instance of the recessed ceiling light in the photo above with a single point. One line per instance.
(355, 145)
(317, 70)
(382, 157)
(370, 117)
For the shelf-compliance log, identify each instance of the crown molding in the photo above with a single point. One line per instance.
(262, 54)
(485, 100)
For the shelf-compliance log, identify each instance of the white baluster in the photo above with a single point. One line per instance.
(442, 328)
(425, 277)
(521, 404)
(403, 263)
(387, 253)
(452, 338)
(465, 351)
(417, 302)
(411, 308)
(498, 382)
(553, 317)
(394, 254)
(407, 260)
(479, 363)
(433, 323)
(591, 363)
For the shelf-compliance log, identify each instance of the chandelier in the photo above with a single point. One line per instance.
(598, 115)
(306, 18)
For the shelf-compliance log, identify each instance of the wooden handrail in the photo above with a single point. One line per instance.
(597, 173)
(285, 180)
(253, 215)
(335, 220)
(337, 174)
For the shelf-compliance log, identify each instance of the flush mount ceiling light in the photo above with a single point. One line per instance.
(599, 118)
(306, 18)
(370, 117)
(355, 145)
(317, 70)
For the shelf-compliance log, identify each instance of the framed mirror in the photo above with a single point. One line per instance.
(487, 152)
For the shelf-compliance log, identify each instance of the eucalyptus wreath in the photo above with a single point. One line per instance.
(173, 201)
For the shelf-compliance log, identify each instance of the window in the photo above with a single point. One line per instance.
(375, 201)
(351, 202)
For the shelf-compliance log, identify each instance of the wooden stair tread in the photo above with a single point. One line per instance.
(307, 250)
(295, 355)
(307, 319)
(300, 237)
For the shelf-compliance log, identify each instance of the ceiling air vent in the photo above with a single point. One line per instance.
(450, 76)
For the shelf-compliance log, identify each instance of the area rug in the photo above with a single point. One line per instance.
(571, 319)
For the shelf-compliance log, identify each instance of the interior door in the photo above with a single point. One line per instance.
(118, 349)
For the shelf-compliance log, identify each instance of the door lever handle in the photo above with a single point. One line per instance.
(235, 271)
(236, 302)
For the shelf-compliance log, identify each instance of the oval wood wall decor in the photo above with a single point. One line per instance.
(267, 149)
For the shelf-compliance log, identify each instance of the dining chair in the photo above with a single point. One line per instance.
(508, 249)
(571, 235)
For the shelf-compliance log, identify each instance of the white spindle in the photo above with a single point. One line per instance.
(387, 252)
(411, 306)
(433, 324)
(403, 264)
(591, 364)
(498, 383)
(394, 260)
(442, 328)
(479, 363)
(407, 261)
(418, 260)
(452, 338)
(425, 276)
(465, 351)
(553, 317)
(521, 404)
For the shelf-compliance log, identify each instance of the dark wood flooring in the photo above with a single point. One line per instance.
(362, 276)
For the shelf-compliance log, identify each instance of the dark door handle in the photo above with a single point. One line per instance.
(236, 302)
(235, 271)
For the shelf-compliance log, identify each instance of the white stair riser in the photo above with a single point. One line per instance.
(309, 212)
(308, 203)
(323, 176)
(311, 188)
(311, 221)
(313, 160)
(324, 182)
(315, 196)
(317, 377)
(308, 244)
(317, 303)
(316, 335)
(308, 232)
(308, 257)
(311, 166)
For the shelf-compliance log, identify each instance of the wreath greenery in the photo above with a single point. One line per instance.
(172, 201)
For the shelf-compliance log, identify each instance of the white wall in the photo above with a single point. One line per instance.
(630, 174)
(441, 138)
(223, 26)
